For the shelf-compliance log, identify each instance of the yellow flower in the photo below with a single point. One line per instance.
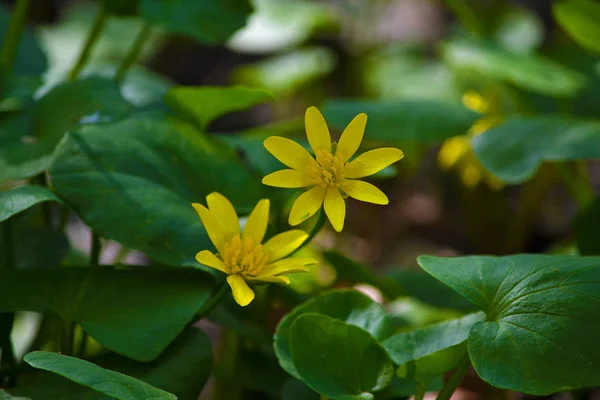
(332, 176)
(240, 253)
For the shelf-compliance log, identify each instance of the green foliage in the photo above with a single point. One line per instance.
(338, 359)
(423, 121)
(20, 199)
(208, 21)
(540, 335)
(123, 309)
(151, 193)
(350, 307)
(587, 230)
(579, 18)
(514, 150)
(102, 380)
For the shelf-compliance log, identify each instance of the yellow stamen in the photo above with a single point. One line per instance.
(244, 257)
(329, 171)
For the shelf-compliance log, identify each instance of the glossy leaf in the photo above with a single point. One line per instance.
(579, 18)
(206, 103)
(209, 21)
(149, 171)
(393, 121)
(540, 335)
(338, 360)
(20, 199)
(30, 138)
(134, 312)
(182, 369)
(349, 306)
(514, 150)
(527, 71)
(111, 383)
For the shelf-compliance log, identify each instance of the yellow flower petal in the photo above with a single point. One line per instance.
(316, 130)
(211, 226)
(224, 213)
(242, 294)
(352, 137)
(272, 279)
(287, 178)
(372, 162)
(284, 243)
(306, 205)
(256, 226)
(364, 191)
(207, 258)
(335, 208)
(288, 152)
(452, 150)
(288, 265)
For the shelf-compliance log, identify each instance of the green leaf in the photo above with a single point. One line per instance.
(121, 7)
(429, 290)
(29, 139)
(209, 21)
(182, 369)
(338, 360)
(527, 71)
(410, 346)
(541, 334)
(423, 121)
(426, 369)
(514, 150)
(20, 199)
(351, 271)
(135, 312)
(349, 306)
(205, 103)
(579, 18)
(297, 390)
(134, 182)
(587, 229)
(114, 384)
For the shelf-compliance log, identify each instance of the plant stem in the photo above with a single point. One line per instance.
(9, 250)
(12, 38)
(82, 344)
(466, 16)
(134, 52)
(89, 43)
(96, 249)
(576, 179)
(66, 339)
(420, 393)
(213, 302)
(459, 373)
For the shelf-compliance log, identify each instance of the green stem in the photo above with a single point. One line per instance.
(466, 16)
(9, 250)
(459, 373)
(12, 38)
(82, 344)
(66, 339)
(46, 211)
(89, 43)
(213, 302)
(316, 229)
(420, 393)
(576, 180)
(134, 52)
(96, 249)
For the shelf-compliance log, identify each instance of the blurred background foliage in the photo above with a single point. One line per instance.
(455, 84)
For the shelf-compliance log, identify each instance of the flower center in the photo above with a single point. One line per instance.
(244, 256)
(328, 171)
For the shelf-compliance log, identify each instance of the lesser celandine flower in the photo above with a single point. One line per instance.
(331, 176)
(240, 253)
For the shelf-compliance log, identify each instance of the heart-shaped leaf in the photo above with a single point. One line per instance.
(349, 306)
(514, 150)
(20, 199)
(579, 18)
(527, 71)
(30, 138)
(134, 182)
(541, 333)
(205, 103)
(424, 121)
(339, 360)
(85, 373)
(209, 21)
(182, 369)
(135, 312)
